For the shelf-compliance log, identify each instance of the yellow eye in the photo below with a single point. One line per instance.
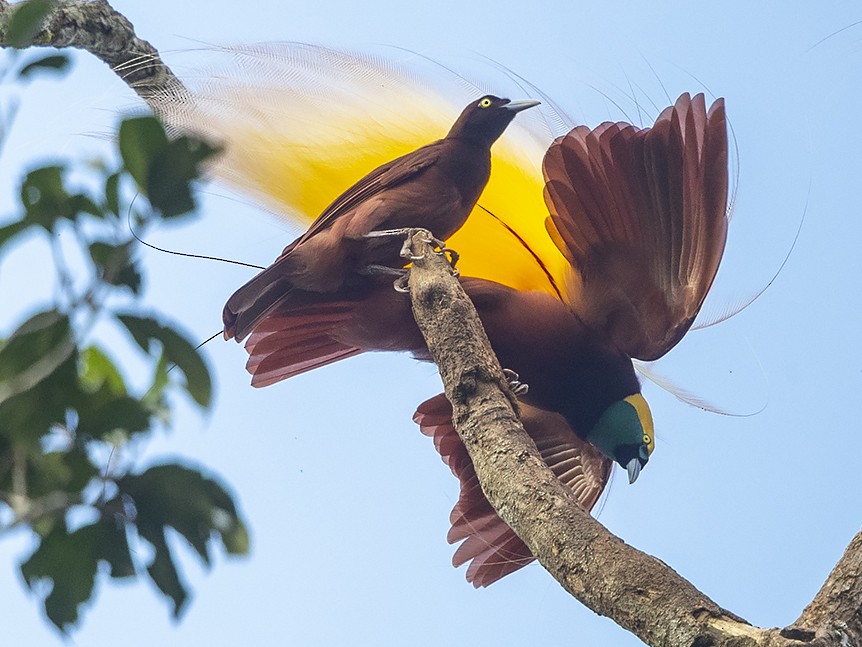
(485, 103)
(647, 440)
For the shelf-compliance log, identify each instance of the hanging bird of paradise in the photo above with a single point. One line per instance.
(583, 252)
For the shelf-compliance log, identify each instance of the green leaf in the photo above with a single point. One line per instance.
(204, 511)
(197, 507)
(115, 547)
(34, 351)
(69, 561)
(154, 395)
(177, 349)
(26, 22)
(164, 573)
(112, 193)
(235, 539)
(53, 63)
(38, 377)
(98, 369)
(80, 203)
(116, 265)
(142, 139)
(123, 414)
(44, 197)
(171, 173)
(130, 277)
(62, 471)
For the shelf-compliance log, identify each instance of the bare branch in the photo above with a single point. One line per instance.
(96, 27)
(836, 611)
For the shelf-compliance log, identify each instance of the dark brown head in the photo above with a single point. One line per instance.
(483, 121)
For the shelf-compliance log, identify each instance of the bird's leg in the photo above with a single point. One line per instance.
(518, 388)
(400, 283)
(408, 233)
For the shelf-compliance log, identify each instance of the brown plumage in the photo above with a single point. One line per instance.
(491, 547)
(573, 373)
(641, 216)
(434, 187)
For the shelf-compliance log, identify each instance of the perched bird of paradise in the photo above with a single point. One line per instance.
(434, 187)
(582, 253)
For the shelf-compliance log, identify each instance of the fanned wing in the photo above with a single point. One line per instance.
(641, 214)
(302, 123)
(490, 546)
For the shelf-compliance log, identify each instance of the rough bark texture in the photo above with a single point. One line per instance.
(639, 592)
(96, 27)
(636, 590)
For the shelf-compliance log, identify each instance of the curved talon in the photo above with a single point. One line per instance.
(400, 284)
(427, 237)
(521, 389)
(454, 256)
(513, 379)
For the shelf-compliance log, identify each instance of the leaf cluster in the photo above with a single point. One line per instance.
(69, 419)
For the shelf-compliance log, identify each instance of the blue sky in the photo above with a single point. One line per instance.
(348, 504)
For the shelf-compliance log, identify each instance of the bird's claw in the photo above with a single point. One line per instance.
(400, 284)
(452, 257)
(513, 379)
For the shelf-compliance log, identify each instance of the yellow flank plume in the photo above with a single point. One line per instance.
(301, 124)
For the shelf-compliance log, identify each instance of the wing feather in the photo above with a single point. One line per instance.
(493, 549)
(641, 215)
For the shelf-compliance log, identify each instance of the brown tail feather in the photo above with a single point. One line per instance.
(292, 340)
(251, 303)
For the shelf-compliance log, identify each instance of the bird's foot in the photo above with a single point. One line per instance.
(427, 236)
(400, 283)
(451, 255)
(513, 379)
(402, 274)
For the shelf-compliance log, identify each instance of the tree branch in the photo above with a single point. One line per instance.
(96, 27)
(637, 591)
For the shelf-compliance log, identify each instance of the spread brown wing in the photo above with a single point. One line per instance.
(383, 177)
(493, 549)
(641, 214)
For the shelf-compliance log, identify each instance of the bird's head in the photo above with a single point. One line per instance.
(624, 433)
(485, 119)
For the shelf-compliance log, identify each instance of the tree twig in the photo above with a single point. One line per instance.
(96, 27)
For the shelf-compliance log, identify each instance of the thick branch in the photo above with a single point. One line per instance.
(637, 591)
(836, 611)
(96, 27)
